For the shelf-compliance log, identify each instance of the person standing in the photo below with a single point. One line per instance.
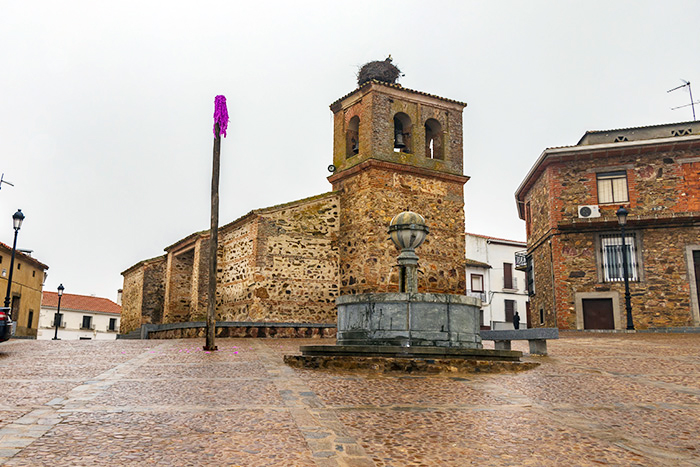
(516, 320)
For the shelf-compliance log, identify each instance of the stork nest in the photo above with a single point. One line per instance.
(380, 70)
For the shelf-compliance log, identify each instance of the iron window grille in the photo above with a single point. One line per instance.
(611, 252)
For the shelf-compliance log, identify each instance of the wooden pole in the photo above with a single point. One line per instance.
(213, 243)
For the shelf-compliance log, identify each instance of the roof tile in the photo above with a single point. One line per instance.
(80, 302)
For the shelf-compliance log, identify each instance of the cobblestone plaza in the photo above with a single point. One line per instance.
(598, 399)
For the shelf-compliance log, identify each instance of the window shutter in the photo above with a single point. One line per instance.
(507, 276)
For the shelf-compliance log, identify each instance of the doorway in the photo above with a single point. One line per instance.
(598, 313)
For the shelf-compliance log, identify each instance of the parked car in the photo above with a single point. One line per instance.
(5, 324)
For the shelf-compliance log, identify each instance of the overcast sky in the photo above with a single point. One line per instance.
(106, 107)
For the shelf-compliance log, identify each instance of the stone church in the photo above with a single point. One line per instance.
(393, 149)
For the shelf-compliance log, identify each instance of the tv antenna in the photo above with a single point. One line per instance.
(4, 181)
(692, 103)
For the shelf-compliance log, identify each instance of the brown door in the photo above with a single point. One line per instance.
(527, 314)
(510, 310)
(598, 313)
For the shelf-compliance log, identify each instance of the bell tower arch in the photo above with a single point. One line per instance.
(397, 149)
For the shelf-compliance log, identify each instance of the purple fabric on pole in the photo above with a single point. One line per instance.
(220, 115)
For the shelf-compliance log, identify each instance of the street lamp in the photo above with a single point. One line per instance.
(57, 315)
(622, 220)
(17, 219)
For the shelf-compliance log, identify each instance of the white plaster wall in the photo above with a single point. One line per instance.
(495, 254)
(73, 321)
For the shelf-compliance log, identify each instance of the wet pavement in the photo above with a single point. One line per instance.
(598, 399)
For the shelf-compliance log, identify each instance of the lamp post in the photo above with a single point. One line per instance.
(57, 315)
(17, 219)
(622, 220)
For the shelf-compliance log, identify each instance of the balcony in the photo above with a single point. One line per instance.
(479, 295)
(521, 260)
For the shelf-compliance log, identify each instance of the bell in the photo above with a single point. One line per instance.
(355, 146)
(398, 140)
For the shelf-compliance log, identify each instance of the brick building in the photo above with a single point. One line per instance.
(574, 246)
(393, 149)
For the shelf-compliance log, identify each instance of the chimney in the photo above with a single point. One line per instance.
(119, 297)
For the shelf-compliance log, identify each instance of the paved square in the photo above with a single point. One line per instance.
(598, 399)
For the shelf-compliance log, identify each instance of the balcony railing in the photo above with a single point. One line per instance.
(479, 295)
(521, 260)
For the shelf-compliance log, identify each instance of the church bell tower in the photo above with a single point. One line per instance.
(396, 149)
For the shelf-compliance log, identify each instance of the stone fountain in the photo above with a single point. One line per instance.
(407, 330)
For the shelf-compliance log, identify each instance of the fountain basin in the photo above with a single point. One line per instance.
(409, 320)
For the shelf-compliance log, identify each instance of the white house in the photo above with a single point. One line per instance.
(492, 277)
(81, 317)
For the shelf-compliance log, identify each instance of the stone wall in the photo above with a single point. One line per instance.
(153, 291)
(664, 206)
(369, 198)
(659, 184)
(132, 299)
(542, 304)
(199, 294)
(660, 299)
(376, 105)
(143, 294)
(179, 287)
(538, 203)
(253, 330)
(236, 264)
(281, 264)
(187, 279)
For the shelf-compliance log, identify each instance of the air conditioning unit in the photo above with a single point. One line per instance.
(92, 326)
(586, 212)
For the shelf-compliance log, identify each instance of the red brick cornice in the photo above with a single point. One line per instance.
(672, 219)
(611, 150)
(394, 167)
(685, 219)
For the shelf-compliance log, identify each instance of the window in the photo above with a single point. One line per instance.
(477, 282)
(510, 310)
(612, 187)
(402, 132)
(529, 276)
(508, 276)
(611, 256)
(353, 137)
(87, 322)
(433, 139)
(112, 324)
(30, 319)
(541, 315)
